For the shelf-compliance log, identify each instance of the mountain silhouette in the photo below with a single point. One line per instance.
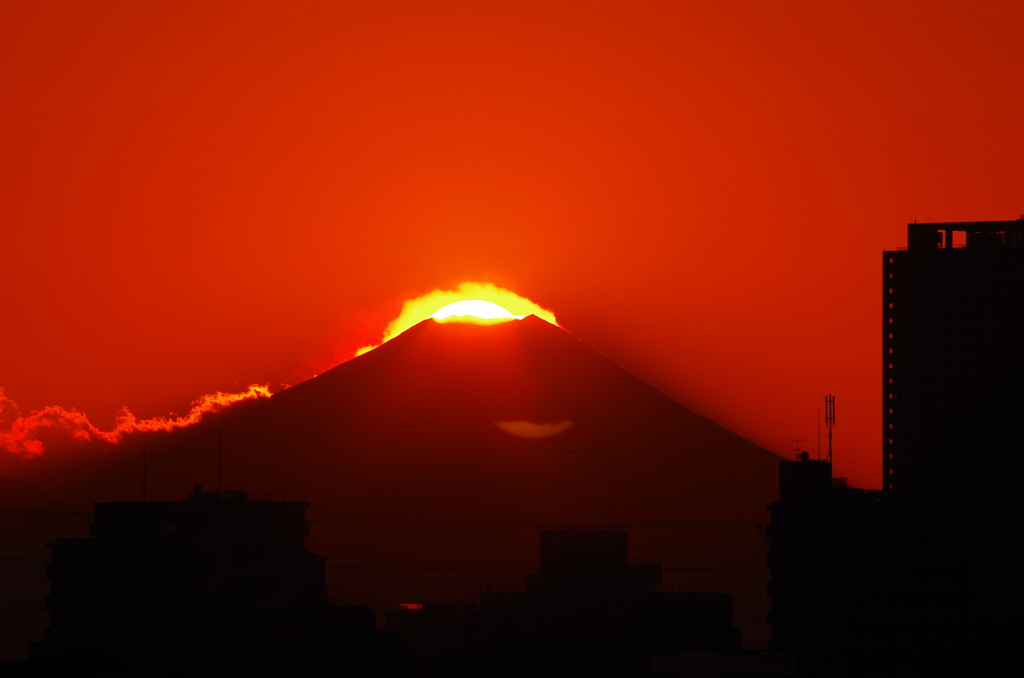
(401, 453)
(445, 385)
(432, 400)
(418, 417)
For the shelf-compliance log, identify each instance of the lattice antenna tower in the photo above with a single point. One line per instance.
(830, 420)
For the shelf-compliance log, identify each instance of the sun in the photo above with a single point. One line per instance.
(471, 302)
(474, 310)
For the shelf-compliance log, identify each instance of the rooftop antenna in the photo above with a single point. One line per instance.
(143, 474)
(819, 434)
(830, 420)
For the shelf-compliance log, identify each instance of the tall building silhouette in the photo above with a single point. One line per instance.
(907, 579)
(953, 363)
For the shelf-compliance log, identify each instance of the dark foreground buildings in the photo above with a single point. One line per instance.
(925, 573)
(587, 611)
(920, 577)
(222, 581)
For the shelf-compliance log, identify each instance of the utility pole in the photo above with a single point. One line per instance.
(218, 460)
(830, 420)
(819, 434)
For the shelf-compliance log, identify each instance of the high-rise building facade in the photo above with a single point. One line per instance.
(953, 363)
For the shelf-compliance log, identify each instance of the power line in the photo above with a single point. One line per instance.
(22, 617)
(515, 569)
(45, 512)
(416, 567)
(726, 567)
(452, 523)
(405, 523)
(457, 568)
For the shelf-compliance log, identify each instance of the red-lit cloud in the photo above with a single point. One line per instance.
(22, 436)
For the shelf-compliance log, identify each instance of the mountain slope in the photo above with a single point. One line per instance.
(417, 418)
(400, 456)
(421, 412)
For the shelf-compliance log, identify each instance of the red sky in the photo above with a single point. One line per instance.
(199, 196)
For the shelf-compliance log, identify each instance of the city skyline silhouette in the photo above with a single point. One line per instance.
(226, 574)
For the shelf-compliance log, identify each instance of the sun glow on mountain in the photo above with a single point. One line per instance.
(474, 311)
(471, 302)
(532, 429)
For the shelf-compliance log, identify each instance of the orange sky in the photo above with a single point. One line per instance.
(200, 196)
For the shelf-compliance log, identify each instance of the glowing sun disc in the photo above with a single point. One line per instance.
(510, 305)
(477, 308)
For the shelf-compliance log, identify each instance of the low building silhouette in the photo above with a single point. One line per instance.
(833, 568)
(588, 610)
(222, 579)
